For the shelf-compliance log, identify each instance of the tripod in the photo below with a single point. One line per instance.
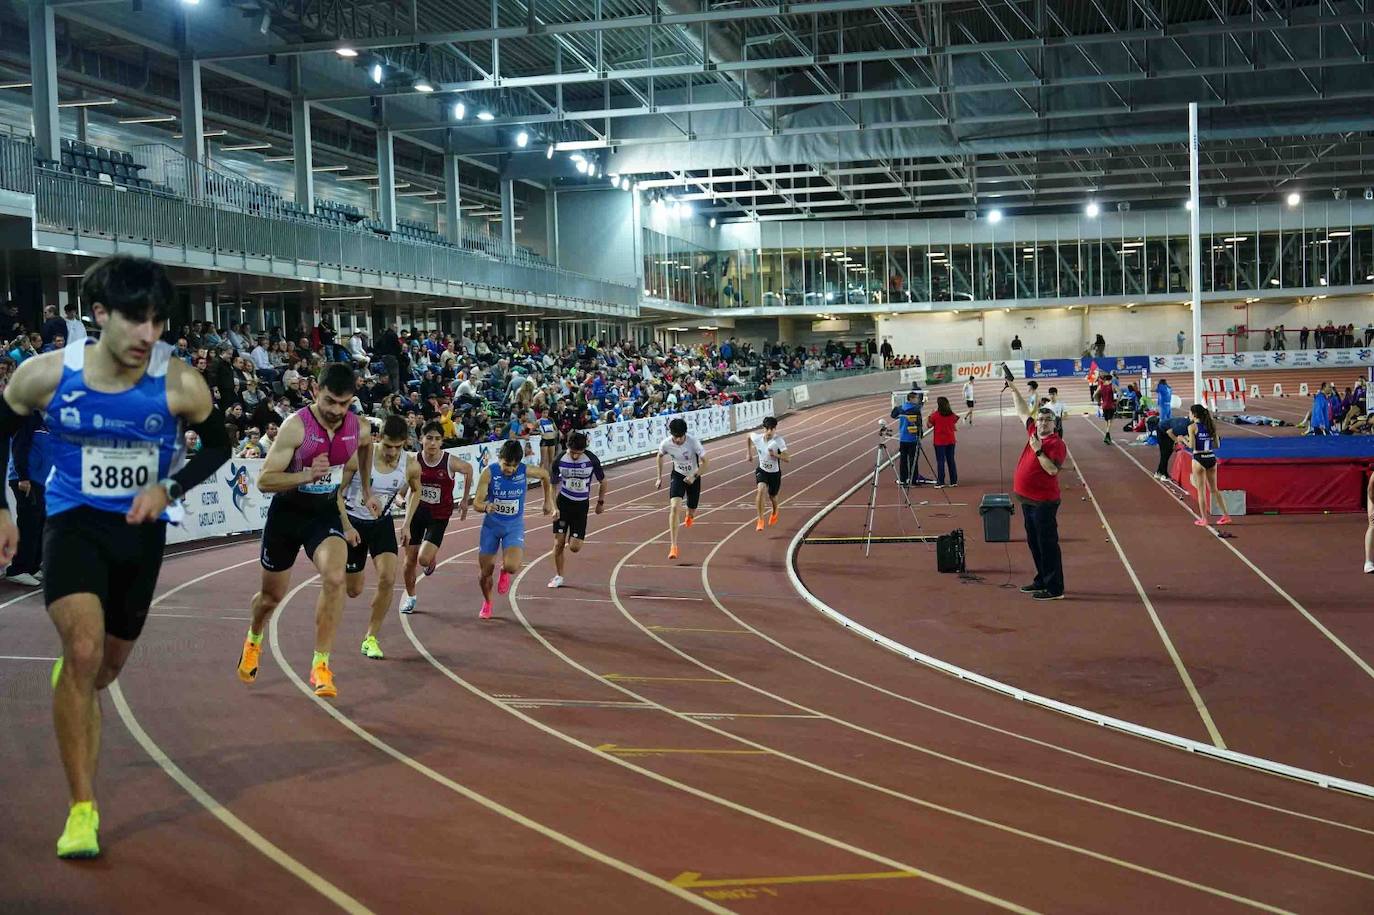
(881, 457)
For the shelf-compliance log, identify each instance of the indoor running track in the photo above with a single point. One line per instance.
(654, 737)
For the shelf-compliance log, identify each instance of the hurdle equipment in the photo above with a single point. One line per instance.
(1302, 390)
(1278, 390)
(1224, 395)
(1255, 392)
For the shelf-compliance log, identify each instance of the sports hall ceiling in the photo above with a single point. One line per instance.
(820, 108)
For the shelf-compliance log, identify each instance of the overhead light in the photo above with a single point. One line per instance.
(928, 253)
(548, 153)
(687, 209)
(423, 85)
(624, 182)
(265, 23)
(1027, 250)
(87, 102)
(1236, 239)
(1092, 209)
(1188, 205)
(16, 85)
(357, 177)
(1294, 198)
(345, 52)
(1273, 282)
(522, 139)
(582, 166)
(146, 119)
(1341, 233)
(330, 168)
(485, 115)
(615, 178)
(190, 2)
(241, 147)
(577, 157)
(277, 158)
(713, 222)
(377, 73)
(994, 216)
(460, 111)
(343, 298)
(207, 134)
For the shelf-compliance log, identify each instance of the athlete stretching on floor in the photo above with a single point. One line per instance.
(501, 497)
(304, 468)
(394, 471)
(766, 449)
(115, 409)
(573, 472)
(689, 463)
(431, 506)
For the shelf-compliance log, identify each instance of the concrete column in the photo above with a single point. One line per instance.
(551, 224)
(386, 178)
(192, 120)
(508, 211)
(47, 133)
(453, 213)
(83, 124)
(786, 331)
(304, 160)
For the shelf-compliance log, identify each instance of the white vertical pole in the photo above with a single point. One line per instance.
(1195, 252)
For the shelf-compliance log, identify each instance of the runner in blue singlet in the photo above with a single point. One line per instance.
(501, 491)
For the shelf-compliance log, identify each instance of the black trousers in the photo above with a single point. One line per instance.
(30, 514)
(908, 462)
(1166, 450)
(1042, 536)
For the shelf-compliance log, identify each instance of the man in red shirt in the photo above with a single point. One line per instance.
(1106, 399)
(1036, 486)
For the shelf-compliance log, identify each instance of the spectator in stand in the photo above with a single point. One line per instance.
(1281, 338)
(52, 324)
(1099, 346)
(76, 330)
(58, 341)
(942, 423)
(9, 320)
(1180, 340)
(1164, 393)
(1369, 333)
(886, 351)
(262, 360)
(1015, 343)
(28, 473)
(1302, 337)
(25, 346)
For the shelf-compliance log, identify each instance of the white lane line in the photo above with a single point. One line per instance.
(1345, 649)
(1168, 643)
(260, 843)
(20, 657)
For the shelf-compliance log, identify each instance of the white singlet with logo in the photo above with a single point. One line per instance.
(767, 450)
(686, 457)
(385, 487)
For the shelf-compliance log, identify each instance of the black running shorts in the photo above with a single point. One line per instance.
(289, 528)
(678, 488)
(572, 517)
(423, 528)
(376, 536)
(770, 478)
(88, 551)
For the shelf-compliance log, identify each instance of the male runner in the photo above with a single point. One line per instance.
(304, 468)
(766, 449)
(431, 506)
(394, 471)
(1106, 399)
(689, 463)
(574, 472)
(501, 497)
(115, 410)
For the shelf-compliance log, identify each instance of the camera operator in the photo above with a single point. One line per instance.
(909, 428)
(1036, 485)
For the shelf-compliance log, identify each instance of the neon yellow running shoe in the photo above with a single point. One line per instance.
(371, 649)
(56, 672)
(78, 840)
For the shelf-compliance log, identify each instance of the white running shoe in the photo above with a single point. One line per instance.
(1369, 567)
(25, 579)
(556, 581)
(407, 604)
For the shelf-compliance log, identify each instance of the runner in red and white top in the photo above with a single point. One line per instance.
(430, 507)
(1106, 399)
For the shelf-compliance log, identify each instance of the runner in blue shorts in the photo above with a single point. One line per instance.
(501, 491)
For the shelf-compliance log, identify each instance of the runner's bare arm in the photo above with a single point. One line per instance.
(542, 475)
(188, 397)
(274, 477)
(458, 465)
(412, 500)
(351, 536)
(658, 461)
(364, 461)
(479, 500)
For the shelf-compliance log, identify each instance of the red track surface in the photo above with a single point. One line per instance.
(667, 736)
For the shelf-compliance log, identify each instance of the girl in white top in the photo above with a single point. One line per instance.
(767, 450)
(968, 401)
(394, 473)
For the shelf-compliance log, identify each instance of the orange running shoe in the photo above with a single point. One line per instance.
(249, 659)
(322, 678)
(758, 525)
(690, 520)
(672, 552)
(772, 519)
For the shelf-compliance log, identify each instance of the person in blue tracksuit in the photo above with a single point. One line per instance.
(1165, 395)
(29, 466)
(909, 428)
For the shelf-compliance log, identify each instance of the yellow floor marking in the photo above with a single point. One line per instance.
(692, 880)
(640, 751)
(625, 678)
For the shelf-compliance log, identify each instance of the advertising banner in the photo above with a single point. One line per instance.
(227, 503)
(800, 394)
(1071, 368)
(935, 374)
(1355, 357)
(980, 370)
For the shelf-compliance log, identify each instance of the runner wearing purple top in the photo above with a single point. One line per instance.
(573, 473)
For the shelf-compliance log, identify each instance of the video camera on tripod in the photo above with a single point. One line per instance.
(884, 430)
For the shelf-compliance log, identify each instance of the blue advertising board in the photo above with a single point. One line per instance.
(1078, 368)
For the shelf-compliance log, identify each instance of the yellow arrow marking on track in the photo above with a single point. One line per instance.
(692, 880)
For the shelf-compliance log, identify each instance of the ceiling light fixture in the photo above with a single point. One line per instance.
(147, 119)
(994, 216)
(242, 147)
(1294, 198)
(345, 52)
(87, 102)
(485, 115)
(1092, 209)
(548, 153)
(582, 166)
(377, 73)
(460, 111)
(522, 139)
(423, 85)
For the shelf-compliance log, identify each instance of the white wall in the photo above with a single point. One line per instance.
(596, 235)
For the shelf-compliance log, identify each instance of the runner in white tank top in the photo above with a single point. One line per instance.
(394, 473)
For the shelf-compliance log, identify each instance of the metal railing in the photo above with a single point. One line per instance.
(84, 207)
(16, 164)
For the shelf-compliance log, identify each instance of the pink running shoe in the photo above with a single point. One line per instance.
(1225, 519)
(503, 582)
(1200, 522)
(485, 612)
